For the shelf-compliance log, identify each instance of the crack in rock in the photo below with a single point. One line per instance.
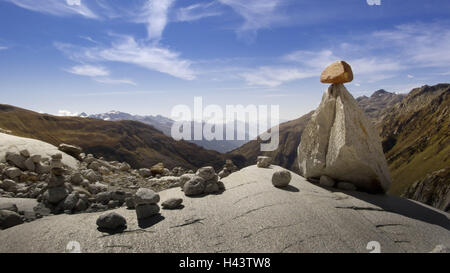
(121, 246)
(190, 222)
(268, 228)
(256, 209)
(388, 225)
(248, 196)
(252, 182)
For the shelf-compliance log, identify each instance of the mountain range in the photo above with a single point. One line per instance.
(164, 124)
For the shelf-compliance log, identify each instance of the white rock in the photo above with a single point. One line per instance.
(10, 143)
(341, 142)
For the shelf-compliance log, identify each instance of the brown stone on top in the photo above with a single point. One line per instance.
(337, 72)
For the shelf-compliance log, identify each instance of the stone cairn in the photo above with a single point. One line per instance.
(228, 169)
(340, 146)
(146, 203)
(56, 189)
(205, 181)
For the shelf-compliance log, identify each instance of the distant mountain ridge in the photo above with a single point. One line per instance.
(164, 125)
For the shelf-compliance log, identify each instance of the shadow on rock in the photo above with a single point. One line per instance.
(289, 188)
(180, 207)
(151, 221)
(399, 205)
(112, 231)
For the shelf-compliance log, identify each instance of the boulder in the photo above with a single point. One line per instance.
(172, 203)
(15, 159)
(25, 153)
(124, 167)
(195, 186)
(8, 185)
(129, 202)
(337, 72)
(29, 164)
(9, 219)
(144, 172)
(281, 178)
(341, 142)
(185, 178)
(145, 196)
(111, 221)
(13, 172)
(36, 158)
(71, 201)
(207, 173)
(263, 162)
(71, 150)
(327, 181)
(76, 179)
(157, 169)
(144, 211)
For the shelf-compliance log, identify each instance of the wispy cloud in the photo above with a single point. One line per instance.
(274, 76)
(56, 7)
(88, 70)
(127, 50)
(257, 14)
(155, 15)
(115, 81)
(97, 73)
(197, 12)
(3, 47)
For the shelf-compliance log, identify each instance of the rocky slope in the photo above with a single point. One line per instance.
(376, 106)
(134, 142)
(416, 135)
(303, 218)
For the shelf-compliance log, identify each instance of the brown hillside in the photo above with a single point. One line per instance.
(136, 143)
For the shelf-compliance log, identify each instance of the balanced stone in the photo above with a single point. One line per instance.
(206, 173)
(195, 186)
(145, 196)
(337, 72)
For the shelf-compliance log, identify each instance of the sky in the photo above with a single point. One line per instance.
(147, 56)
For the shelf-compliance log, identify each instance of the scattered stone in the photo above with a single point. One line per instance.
(263, 162)
(346, 186)
(29, 164)
(327, 181)
(111, 221)
(144, 211)
(145, 172)
(25, 153)
(129, 202)
(76, 179)
(36, 158)
(13, 172)
(195, 186)
(337, 72)
(281, 178)
(15, 160)
(124, 167)
(103, 197)
(172, 203)
(157, 169)
(185, 178)
(71, 201)
(8, 185)
(145, 196)
(9, 219)
(71, 150)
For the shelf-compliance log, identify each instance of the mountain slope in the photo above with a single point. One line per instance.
(164, 125)
(415, 135)
(376, 105)
(285, 155)
(137, 143)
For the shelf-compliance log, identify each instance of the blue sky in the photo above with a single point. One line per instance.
(146, 56)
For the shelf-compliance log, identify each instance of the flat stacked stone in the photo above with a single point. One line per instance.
(146, 203)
